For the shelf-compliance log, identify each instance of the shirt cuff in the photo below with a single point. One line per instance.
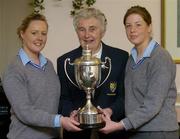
(57, 121)
(124, 125)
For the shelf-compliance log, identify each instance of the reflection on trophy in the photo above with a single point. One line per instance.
(87, 70)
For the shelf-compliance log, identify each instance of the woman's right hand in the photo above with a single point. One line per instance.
(70, 124)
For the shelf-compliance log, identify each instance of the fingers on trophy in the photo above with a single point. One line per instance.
(87, 70)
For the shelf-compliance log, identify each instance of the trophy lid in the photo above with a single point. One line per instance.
(87, 58)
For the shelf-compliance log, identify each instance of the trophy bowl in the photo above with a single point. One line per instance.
(87, 70)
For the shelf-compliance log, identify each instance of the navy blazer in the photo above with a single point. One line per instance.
(110, 94)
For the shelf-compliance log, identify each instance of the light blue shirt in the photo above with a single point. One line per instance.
(146, 53)
(43, 61)
(57, 122)
(25, 59)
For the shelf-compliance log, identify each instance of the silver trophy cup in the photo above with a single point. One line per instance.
(87, 70)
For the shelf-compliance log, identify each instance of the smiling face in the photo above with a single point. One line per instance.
(90, 33)
(34, 37)
(137, 30)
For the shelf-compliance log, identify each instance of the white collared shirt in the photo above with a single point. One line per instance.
(99, 53)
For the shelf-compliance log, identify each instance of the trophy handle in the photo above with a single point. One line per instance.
(65, 69)
(104, 66)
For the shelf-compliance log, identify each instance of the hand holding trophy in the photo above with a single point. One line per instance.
(87, 70)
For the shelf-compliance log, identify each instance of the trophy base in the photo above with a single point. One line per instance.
(92, 126)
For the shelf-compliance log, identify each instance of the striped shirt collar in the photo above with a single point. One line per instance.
(147, 52)
(25, 59)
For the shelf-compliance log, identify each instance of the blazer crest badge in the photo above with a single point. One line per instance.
(113, 86)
